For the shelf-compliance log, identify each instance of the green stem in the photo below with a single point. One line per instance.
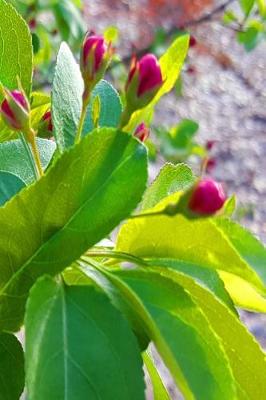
(31, 138)
(29, 154)
(85, 102)
(125, 118)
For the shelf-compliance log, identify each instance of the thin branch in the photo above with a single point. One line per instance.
(204, 18)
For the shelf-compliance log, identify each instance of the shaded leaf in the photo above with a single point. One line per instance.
(77, 333)
(10, 184)
(11, 367)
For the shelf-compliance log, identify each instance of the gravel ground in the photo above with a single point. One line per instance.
(227, 96)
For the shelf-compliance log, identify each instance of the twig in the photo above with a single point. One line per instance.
(204, 18)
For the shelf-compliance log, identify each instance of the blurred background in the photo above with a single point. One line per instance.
(215, 118)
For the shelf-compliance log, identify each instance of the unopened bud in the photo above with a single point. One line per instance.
(144, 81)
(207, 197)
(142, 132)
(94, 59)
(15, 110)
(45, 128)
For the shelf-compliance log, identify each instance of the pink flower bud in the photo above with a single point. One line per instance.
(210, 144)
(15, 110)
(207, 197)
(192, 41)
(47, 118)
(94, 59)
(32, 24)
(45, 127)
(210, 164)
(142, 132)
(148, 74)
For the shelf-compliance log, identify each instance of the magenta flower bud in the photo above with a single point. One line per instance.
(15, 110)
(142, 132)
(47, 118)
(148, 74)
(207, 197)
(94, 59)
(45, 127)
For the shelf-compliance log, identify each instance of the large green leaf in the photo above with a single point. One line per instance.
(182, 335)
(15, 49)
(11, 367)
(10, 184)
(171, 179)
(199, 241)
(247, 360)
(78, 346)
(83, 197)
(171, 63)
(66, 97)
(14, 158)
(110, 107)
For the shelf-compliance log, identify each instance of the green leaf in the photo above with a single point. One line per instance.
(110, 110)
(78, 346)
(247, 6)
(199, 241)
(206, 277)
(171, 179)
(10, 184)
(14, 158)
(171, 63)
(15, 49)
(69, 21)
(182, 335)
(254, 253)
(247, 360)
(11, 367)
(159, 390)
(183, 133)
(82, 197)
(66, 98)
(262, 7)
(249, 38)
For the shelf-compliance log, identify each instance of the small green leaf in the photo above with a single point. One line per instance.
(247, 6)
(171, 63)
(171, 179)
(111, 34)
(66, 98)
(15, 49)
(10, 184)
(11, 367)
(85, 348)
(96, 109)
(183, 133)
(110, 110)
(69, 21)
(14, 158)
(159, 390)
(81, 198)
